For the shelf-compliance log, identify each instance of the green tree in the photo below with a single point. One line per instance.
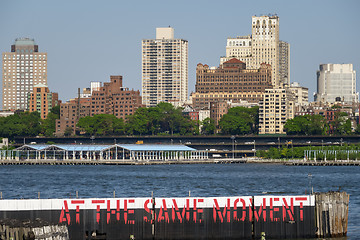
(208, 126)
(357, 130)
(20, 124)
(68, 131)
(137, 123)
(101, 125)
(48, 126)
(240, 120)
(318, 126)
(306, 125)
(341, 124)
(296, 126)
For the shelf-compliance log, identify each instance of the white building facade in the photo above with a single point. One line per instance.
(300, 94)
(336, 83)
(164, 69)
(23, 68)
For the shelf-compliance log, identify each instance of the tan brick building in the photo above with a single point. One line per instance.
(230, 82)
(42, 100)
(23, 68)
(112, 98)
(275, 109)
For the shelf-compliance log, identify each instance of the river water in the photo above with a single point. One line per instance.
(101, 181)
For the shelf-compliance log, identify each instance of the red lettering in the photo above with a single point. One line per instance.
(301, 206)
(147, 209)
(272, 209)
(262, 210)
(66, 213)
(287, 209)
(187, 209)
(250, 209)
(197, 210)
(243, 209)
(77, 208)
(113, 212)
(98, 208)
(128, 211)
(217, 211)
(176, 212)
(163, 208)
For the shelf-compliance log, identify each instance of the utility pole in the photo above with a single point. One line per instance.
(254, 149)
(233, 138)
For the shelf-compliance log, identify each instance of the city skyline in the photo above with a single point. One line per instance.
(89, 41)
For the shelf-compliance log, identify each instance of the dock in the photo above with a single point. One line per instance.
(297, 162)
(119, 162)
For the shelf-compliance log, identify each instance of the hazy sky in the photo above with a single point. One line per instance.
(90, 40)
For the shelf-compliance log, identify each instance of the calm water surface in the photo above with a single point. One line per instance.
(177, 180)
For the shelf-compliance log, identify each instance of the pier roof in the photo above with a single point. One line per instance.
(99, 148)
(155, 147)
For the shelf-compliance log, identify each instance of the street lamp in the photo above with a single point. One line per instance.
(254, 149)
(233, 138)
(278, 142)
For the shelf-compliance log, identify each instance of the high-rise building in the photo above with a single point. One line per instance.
(265, 44)
(23, 68)
(275, 109)
(231, 81)
(164, 68)
(262, 46)
(336, 83)
(240, 48)
(42, 100)
(284, 63)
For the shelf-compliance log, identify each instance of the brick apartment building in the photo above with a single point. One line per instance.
(112, 98)
(70, 113)
(217, 110)
(42, 100)
(230, 82)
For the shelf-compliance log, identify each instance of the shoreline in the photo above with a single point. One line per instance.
(291, 162)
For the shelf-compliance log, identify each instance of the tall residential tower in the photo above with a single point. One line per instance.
(23, 68)
(164, 68)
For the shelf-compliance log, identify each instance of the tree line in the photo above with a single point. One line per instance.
(165, 119)
(319, 125)
(29, 124)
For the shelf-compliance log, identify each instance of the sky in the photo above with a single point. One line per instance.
(89, 40)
